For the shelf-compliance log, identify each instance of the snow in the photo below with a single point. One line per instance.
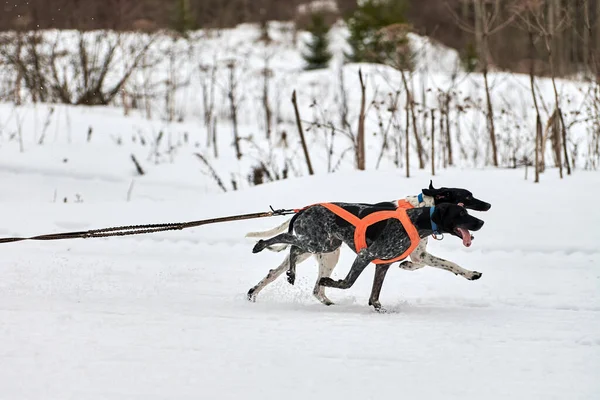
(165, 316)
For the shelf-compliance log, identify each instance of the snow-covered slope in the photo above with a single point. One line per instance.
(198, 70)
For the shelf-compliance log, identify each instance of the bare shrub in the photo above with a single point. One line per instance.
(94, 74)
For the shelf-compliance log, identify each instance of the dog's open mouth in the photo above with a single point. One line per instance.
(465, 235)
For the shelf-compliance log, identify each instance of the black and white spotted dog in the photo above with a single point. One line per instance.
(419, 257)
(316, 230)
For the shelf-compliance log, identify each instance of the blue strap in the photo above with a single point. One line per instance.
(434, 227)
(420, 197)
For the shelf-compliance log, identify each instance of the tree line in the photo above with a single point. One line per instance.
(455, 23)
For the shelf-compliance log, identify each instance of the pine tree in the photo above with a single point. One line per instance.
(182, 18)
(365, 26)
(318, 47)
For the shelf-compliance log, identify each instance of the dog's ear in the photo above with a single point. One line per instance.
(431, 191)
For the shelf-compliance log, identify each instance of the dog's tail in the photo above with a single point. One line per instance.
(271, 232)
(292, 220)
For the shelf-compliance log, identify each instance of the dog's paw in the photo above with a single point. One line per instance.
(326, 282)
(327, 302)
(291, 277)
(259, 246)
(250, 295)
(377, 306)
(474, 276)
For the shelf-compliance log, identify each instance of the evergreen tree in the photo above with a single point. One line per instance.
(318, 55)
(182, 16)
(365, 25)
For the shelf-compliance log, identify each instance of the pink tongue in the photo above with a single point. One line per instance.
(466, 236)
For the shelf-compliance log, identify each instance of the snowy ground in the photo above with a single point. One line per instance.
(164, 316)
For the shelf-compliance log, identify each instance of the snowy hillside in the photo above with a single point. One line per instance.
(165, 316)
(184, 93)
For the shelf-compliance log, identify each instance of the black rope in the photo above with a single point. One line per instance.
(143, 229)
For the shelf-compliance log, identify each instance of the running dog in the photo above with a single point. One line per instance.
(381, 234)
(419, 257)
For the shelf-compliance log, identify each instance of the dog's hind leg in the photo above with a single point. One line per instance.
(327, 262)
(295, 252)
(284, 238)
(359, 265)
(272, 232)
(446, 265)
(380, 272)
(274, 274)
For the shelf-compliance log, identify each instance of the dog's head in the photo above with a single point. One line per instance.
(456, 221)
(456, 196)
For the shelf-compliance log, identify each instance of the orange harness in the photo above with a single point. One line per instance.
(361, 225)
(404, 204)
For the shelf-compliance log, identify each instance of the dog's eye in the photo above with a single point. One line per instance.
(463, 213)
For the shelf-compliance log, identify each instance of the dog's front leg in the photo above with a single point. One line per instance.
(412, 265)
(446, 265)
(360, 263)
(380, 272)
(416, 257)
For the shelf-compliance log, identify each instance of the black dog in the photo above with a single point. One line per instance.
(316, 229)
